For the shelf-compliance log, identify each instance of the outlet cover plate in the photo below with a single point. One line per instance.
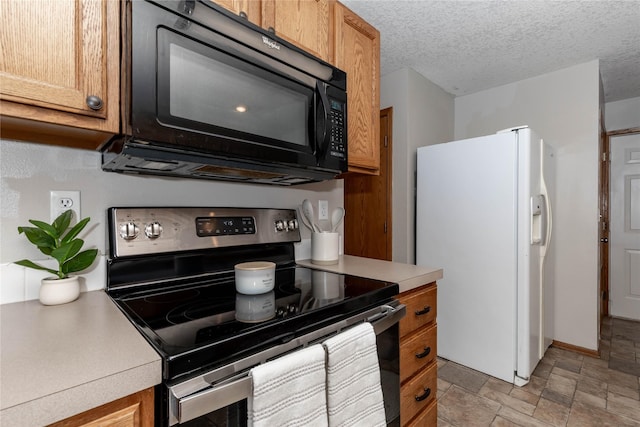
(60, 201)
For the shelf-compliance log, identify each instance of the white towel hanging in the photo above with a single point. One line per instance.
(290, 391)
(354, 393)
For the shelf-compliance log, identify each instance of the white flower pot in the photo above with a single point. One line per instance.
(54, 291)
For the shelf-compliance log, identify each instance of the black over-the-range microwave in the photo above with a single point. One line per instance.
(207, 94)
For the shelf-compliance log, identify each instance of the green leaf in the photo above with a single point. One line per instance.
(67, 251)
(39, 238)
(62, 222)
(81, 261)
(49, 229)
(29, 264)
(75, 230)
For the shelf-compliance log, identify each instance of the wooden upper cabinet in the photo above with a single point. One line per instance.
(53, 60)
(357, 52)
(304, 23)
(250, 8)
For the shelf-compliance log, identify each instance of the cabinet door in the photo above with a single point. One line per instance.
(135, 410)
(357, 51)
(250, 8)
(55, 57)
(304, 23)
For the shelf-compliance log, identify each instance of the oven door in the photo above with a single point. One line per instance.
(219, 397)
(195, 87)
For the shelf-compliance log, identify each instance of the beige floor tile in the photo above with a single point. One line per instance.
(520, 419)
(589, 399)
(462, 408)
(567, 389)
(589, 416)
(508, 400)
(525, 396)
(551, 412)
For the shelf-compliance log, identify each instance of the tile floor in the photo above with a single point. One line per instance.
(567, 388)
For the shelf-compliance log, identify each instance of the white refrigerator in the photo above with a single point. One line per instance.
(484, 214)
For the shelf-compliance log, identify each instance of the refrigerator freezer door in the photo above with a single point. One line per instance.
(466, 223)
(529, 314)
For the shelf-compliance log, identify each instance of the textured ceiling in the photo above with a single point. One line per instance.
(468, 46)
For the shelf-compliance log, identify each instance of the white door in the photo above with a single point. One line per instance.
(624, 239)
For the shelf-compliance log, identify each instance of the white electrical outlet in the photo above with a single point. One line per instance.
(323, 210)
(64, 200)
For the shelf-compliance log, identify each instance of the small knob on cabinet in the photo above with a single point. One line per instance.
(94, 102)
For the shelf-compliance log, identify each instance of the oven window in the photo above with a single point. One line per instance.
(219, 91)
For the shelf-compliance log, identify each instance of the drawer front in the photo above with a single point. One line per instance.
(418, 393)
(417, 352)
(427, 418)
(421, 309)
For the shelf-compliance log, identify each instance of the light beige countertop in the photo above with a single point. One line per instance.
(58, 361)
(407, 276)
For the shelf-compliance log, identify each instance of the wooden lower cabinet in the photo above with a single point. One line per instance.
(418, 362)
(135, 410)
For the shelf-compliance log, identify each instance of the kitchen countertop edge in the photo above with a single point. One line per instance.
(407, 276)
(56, 374)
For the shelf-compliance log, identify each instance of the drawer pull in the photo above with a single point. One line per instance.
(425, 353)
(423, 396)
(423, 311)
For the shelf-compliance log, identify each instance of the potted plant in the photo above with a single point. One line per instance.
(61, 243)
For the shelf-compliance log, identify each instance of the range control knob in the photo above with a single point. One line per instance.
(293, 224)
(280, 225)
(129, 231)
(153, 230)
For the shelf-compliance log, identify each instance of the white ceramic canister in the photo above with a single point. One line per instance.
(325, 248)
(255, 277)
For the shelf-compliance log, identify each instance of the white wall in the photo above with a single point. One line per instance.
(422, 115)
(623, 114)
(563, 107)
(29, 171)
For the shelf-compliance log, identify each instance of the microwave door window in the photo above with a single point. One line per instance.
(215, 89)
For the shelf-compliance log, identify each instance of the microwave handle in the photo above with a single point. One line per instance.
(322, 142)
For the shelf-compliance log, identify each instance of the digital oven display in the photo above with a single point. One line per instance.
(225, 226)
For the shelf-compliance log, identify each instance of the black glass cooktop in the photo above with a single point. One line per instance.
(203, 324)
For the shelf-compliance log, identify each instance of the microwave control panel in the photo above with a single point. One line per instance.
(337, 117)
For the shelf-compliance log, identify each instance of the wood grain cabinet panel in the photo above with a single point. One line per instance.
(248, 8)
(428, 417)
(418, 357)
(135, 410)
(418, 393)
(304, 23)
(357, 52)
(421, 310)
(418, 351)
(59, 69)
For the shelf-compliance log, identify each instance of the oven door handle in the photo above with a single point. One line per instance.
(186, 406)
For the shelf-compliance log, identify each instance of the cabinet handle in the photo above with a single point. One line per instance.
(425, 353)
(243, 14)
(94, 102)
(423, 311)
(423, 396)
(272, 30)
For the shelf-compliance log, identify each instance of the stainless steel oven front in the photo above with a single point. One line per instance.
(171, 272)
(219, 397)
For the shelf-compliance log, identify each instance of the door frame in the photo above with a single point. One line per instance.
(604, 197)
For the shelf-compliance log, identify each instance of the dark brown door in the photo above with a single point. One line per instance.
(367, 202)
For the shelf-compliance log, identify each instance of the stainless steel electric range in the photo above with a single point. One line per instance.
(171, 271)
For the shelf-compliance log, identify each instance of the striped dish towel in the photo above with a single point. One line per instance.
(354, 393)
(290, 391)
